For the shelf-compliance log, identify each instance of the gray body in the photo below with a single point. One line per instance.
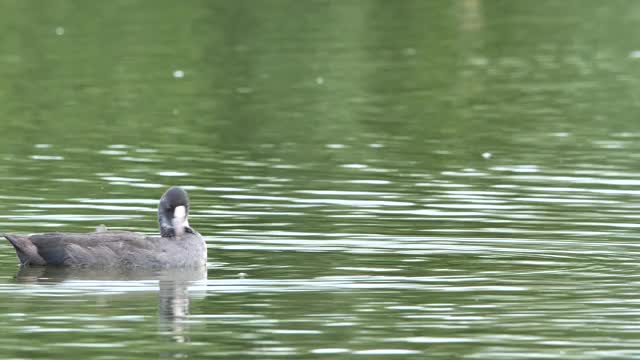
(106, 248)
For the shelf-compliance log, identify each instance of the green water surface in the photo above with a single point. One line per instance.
(374, 179)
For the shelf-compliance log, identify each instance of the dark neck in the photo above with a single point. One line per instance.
(171, 232)
(167, 231)
(166, 226)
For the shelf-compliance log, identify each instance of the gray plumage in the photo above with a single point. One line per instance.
(108, 248)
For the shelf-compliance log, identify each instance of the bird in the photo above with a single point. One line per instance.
(178, 246)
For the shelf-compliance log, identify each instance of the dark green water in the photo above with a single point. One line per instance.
(374, 179)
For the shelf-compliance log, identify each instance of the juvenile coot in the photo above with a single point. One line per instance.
(179, 245)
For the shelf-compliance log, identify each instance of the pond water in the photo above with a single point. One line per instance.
(374, 179)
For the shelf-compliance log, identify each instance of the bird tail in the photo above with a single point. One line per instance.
(27, 252)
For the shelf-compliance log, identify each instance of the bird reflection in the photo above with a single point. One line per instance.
(173, 309)
(173, 301)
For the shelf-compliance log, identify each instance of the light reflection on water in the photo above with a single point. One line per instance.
(492, 269)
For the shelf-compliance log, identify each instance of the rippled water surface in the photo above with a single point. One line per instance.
(374, 179)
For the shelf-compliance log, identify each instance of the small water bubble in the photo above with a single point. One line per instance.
(178, 74)
(487, 155)
(319, 80)
(112, 152)
(478, 61)
(59, 30)
(329, 350)
(45, 157)
(172, 173)
(635, 54)
(355, 166)
(335, 146)
(370, 182)
(42, 146)
(240, 48)
(386, 352)
(376, 146)
(242, 275)
(410, 51)
(244, 90)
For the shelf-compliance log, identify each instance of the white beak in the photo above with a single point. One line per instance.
(180, 220)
